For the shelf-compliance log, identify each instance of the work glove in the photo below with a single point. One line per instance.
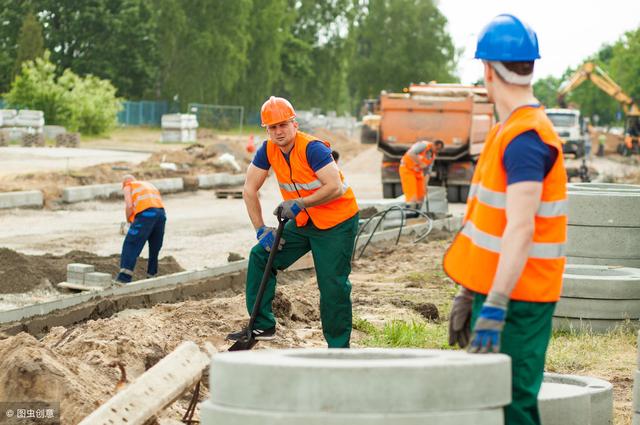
(266, 237)
(290, 209)
(460, 318)
(486, 334)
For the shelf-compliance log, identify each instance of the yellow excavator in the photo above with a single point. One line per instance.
(591, 71)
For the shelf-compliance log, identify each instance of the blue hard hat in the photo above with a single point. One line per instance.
(507, 39)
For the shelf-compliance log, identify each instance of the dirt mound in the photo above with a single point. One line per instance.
(23, 273)
(348, 146)
(30, 370)
(190, 161)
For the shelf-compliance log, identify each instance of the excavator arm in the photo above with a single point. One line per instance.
(591, 71)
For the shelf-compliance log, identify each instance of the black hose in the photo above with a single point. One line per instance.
(382, 215)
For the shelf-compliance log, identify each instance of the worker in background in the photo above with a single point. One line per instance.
(509, 255)
(323, 219)
(144, 211)
(602, 139)
(415, 163)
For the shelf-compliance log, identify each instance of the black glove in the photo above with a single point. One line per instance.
(460, 318)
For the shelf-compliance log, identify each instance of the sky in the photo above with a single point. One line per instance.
(568, 30)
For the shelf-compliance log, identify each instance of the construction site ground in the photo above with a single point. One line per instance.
(401, 295)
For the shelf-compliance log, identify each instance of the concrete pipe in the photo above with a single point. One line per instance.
(592, 325)
(611, 262)
(585, 308)
(603, 187)
(601, 393)
(562, 404)
(360, 386)
(601, 282)
(606, 209)
(604, 242)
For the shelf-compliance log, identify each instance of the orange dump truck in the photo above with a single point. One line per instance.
(459, 115)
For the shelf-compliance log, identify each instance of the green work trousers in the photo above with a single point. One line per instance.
(331, 249)
(525, 338)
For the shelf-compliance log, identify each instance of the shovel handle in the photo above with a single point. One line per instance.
(267, 271)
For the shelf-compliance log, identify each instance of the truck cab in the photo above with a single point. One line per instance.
(569, 125)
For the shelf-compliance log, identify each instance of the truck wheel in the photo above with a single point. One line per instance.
(464, 193)
(388, 190)
(453, 194)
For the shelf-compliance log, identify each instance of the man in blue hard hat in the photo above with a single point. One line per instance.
(509, 256)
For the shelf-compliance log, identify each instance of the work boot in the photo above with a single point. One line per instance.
(258, 334)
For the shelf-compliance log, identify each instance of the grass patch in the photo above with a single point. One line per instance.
(416, 278)
(403, 334)
(602, 354)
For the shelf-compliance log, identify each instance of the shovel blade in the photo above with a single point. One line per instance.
(244, 343)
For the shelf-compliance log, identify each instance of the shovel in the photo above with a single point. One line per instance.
(248, 341)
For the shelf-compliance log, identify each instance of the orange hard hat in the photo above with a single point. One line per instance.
(275, 110)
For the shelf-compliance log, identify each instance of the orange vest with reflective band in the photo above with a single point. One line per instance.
(297, 179)
(427, 156)
(472, 258)
(144, 195)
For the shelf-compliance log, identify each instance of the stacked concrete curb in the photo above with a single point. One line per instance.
(340, 387)
(599, 390)
(604, 226)
(598, 298)
(169, 185)
(212, 181)
(30, 198)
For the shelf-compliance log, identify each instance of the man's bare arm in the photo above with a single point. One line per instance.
(523, 200)
(253, 182)
(331, 188)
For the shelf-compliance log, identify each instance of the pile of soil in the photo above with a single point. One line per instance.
(22, 273)
(346, 145)
(190, 161)
(76, 364)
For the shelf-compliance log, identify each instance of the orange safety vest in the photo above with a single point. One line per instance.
(144, 195)
(472, 258)
(297, 179)
(427, 156)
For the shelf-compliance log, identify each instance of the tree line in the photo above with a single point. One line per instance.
(327, 54)
(621, 60)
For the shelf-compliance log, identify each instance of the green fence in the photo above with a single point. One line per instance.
(144, 112)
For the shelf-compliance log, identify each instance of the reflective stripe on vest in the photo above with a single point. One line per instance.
(493, 243)
(499, 200)
(145, 196)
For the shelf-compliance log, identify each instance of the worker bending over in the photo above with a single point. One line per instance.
(415, 163)
(323, 218)
(145, 211)
(509, 255)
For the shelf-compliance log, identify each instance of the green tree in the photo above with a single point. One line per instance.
(316, 55)
(30, 41)
(86, 104)
(399, 42)
(625, 64)
(546, 91)
(12, 14)
(112, 39)
(203, 48)
(268, 31)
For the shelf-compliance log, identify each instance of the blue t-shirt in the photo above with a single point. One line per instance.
(318, 155)
(528, 159)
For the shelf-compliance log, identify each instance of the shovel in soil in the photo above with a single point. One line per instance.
(248, 341)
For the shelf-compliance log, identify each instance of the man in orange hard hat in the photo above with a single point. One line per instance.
(323, 219)
(144, 209)
(508, 257)
(415, 163)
